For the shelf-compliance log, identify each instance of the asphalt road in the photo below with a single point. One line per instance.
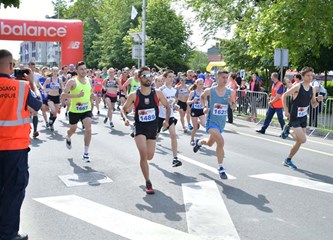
(105, 199)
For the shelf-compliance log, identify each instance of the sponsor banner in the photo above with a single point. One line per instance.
(68, 32)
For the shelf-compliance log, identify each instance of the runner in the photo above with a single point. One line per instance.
(146, 101)
(53, 97)
(303, 95)
(65, 77)
(97, 86)
(196, 107)
(183, 93)
(170, 94)
(217, 109)
(34, 113)
(122, 93)
(189, 82)
(45, 107)
(111, 85)
(79, 90)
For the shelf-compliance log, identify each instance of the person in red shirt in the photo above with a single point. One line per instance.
(97, 88)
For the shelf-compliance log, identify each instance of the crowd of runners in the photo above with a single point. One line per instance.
(152, 96)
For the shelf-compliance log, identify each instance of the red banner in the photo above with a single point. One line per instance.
(68, 32)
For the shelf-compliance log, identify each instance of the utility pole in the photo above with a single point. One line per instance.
(143, 52)
(59, 42)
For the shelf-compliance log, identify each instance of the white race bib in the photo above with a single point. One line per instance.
(147, 115)
(81, 106)
(220, 109)
(302, 111)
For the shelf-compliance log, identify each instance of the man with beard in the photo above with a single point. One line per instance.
(146, 110)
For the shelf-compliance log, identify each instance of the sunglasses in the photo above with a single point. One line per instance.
(148, 75)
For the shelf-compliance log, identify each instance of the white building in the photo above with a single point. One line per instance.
(42, 53)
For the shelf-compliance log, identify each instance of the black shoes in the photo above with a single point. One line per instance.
(21, 236)
(261, 131)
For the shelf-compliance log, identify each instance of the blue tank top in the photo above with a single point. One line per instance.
(218, 108)
(196, 103)
(42, 81)
(55, 85)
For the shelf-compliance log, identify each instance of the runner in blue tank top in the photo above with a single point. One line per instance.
(216, 110)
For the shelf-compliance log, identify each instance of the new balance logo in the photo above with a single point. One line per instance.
(74, 45)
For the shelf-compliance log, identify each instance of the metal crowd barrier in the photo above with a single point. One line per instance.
(252, 104)
(322, 116)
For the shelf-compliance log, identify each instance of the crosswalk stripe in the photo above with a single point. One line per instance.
(113, 220)
(197, 163)
(206, 213)
(296, 181)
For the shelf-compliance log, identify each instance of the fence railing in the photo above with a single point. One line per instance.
(321, 116)
(254, 105)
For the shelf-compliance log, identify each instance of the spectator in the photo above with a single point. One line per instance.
(14, 144)
(254, 87)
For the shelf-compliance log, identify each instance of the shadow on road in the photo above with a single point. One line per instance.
(84, 174)
(316, 176)
(242, 197)
(176, 177)
(170, 208)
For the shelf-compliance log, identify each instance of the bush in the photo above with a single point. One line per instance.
(329, 88)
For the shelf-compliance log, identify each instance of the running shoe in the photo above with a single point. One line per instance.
(51, 128)
(66, 114)
(86, 157)
(185, 130)
(285, 131)
(118, 108)
(111, 125)
(98, 112)
(149, 187)
(176, 162)
(47, 124)
(196, 146)
(105, 120)
(192, 143)
(222, 173)
(68, 143)
(36, 134)
(189, 126)
(289, 163)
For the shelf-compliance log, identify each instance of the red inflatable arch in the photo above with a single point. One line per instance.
(68, 32)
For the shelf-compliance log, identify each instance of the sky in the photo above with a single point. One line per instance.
(38, 9)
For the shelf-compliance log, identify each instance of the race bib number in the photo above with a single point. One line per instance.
(220, 109)
(302, 111)
(147, 115)
(81, 106)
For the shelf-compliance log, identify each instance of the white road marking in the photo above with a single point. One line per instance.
(282, 143)
(112, 220)
(199, 164)
(296, 181)
(206, 213)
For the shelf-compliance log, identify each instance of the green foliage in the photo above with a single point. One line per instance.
(10, 3)
(107, 28)
(198, 61)
(302, 26)
(329, 88)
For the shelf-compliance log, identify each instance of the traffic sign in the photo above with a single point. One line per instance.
(136, 51)
(281, 57)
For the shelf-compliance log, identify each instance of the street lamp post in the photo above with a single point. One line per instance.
(143, 52)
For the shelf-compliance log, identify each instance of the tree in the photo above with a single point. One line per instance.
(198, 61)
(85, 10)
(10, 3)
(168, 35)
(298, 25)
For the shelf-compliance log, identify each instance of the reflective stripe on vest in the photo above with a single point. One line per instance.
(20, 120)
